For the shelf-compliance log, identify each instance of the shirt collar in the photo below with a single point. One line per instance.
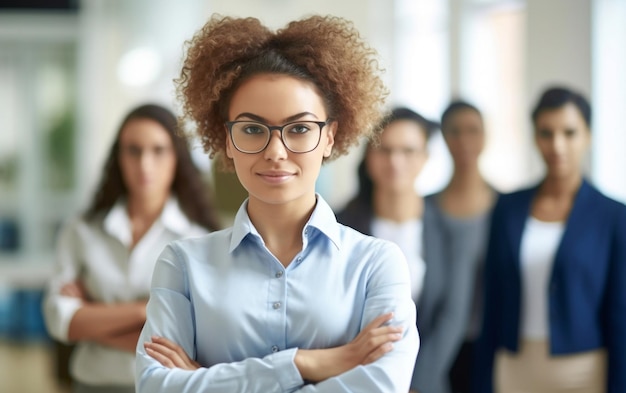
(117, 223)
(322, 219)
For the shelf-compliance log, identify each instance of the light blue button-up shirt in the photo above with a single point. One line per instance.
(242, 315)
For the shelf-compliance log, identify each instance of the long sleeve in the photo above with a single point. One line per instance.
(441, 344)
(482, 373)
(58, 309)
(616, 309)
(172, 313)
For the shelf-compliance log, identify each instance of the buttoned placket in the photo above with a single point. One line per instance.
(277, 307)
(278, 300)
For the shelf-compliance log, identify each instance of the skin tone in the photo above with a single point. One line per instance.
(563, 138)
(394, 166)
(148, 164)
(281, 187)
(467, 194)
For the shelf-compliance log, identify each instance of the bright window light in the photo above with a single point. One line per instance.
(139, 67)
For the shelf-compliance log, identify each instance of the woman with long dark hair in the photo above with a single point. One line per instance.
(150, 194)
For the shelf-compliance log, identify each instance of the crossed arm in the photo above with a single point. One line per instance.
(114, 325)
(314, 365)
(375, 360)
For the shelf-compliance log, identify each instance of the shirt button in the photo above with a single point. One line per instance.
(299, 260)
(306, 231)
(275, 348)
(276, 305)
(279, 274)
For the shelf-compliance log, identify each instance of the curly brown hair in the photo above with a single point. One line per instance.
(324, 50)
(188, 187)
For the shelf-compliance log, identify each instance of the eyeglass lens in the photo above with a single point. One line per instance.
(253, 137)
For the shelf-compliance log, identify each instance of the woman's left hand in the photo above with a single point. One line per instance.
(170, 354)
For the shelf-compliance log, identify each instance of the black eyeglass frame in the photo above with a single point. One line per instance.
(321, 124)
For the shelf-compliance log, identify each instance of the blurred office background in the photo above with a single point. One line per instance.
(70, 69)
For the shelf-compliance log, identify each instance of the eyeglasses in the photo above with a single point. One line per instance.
(253, 137)
(405, 152)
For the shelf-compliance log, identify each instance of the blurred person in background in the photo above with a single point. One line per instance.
(150, 194)
(555, 274)
(455, 246)
(387, 204)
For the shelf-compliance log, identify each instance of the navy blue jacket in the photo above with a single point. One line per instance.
(587, 287)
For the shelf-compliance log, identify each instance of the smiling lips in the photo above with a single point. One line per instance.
(276, 177)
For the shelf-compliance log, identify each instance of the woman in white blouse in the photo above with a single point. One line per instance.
(387, 204)
(149, 195)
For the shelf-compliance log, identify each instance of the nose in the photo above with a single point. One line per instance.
(396, 158)
(145, 161)
(558, 144)
(275, 149)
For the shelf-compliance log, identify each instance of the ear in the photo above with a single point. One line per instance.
(331, 129)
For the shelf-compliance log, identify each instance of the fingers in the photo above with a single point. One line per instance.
(169, 354)
(70, 289)
(378, 321)
(159, 357)
(378, 353)
(373, 337)
(376, 339)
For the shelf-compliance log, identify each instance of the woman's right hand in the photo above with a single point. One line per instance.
(75, 289)
(369, 345)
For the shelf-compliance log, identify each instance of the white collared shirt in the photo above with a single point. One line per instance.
(98, 253)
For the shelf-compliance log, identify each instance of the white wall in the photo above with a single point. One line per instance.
(109, 29)
(609, 96)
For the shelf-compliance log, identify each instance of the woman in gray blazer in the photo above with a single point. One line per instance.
(455, 237)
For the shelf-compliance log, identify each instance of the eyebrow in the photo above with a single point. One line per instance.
(286, 120)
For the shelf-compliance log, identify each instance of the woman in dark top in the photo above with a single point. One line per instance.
(387, 204)
(555, 290)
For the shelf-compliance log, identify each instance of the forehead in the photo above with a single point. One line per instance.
(403, 133)
(464, 115)
(276, 97)
(144, 131)
(567, 114)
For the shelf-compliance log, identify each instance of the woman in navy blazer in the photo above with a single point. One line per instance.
(555, 278)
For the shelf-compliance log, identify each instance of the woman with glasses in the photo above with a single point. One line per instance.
(287, 299)
(387, 205)
(555, 274)
(150, 194)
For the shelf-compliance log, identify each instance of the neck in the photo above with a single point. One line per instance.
(281, 225)
(560, 186)
(143, 212)
(398, 206)
(145, 208)
(466, 178)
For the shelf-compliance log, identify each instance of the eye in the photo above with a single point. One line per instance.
(544, 134)
(132, 150)
(299, 128)
(160, 150)
(252, 129)
(409, 151)
(570, 132)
